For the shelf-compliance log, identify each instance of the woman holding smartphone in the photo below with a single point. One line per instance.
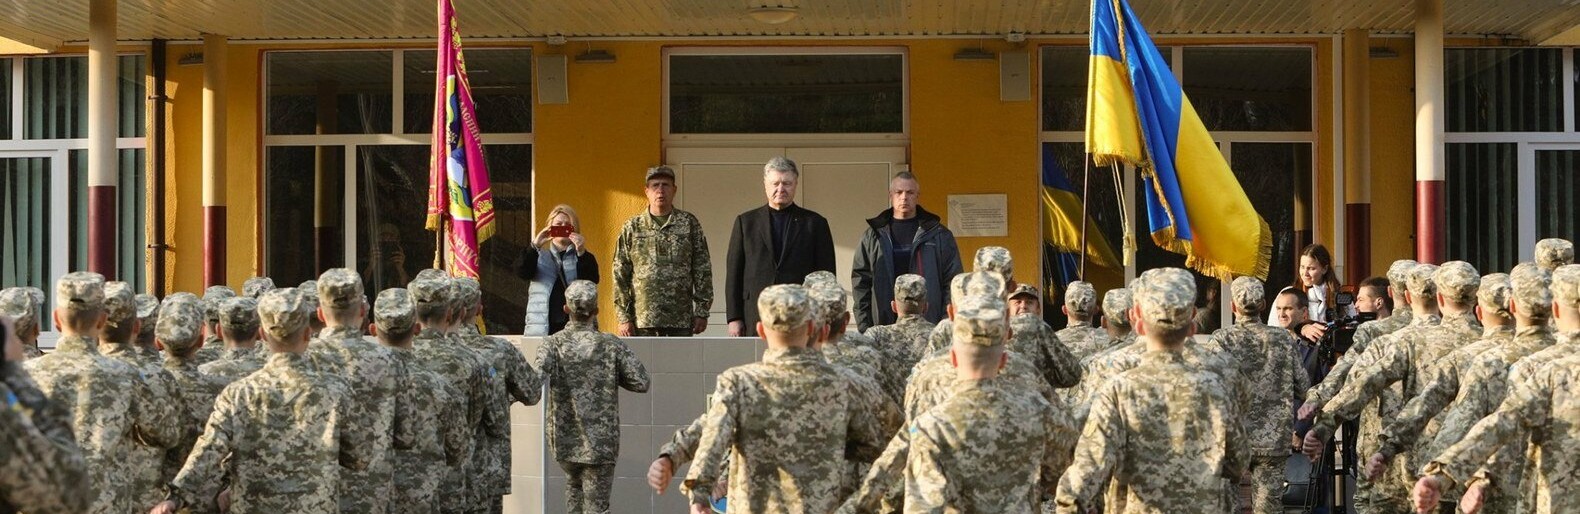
(557, 257)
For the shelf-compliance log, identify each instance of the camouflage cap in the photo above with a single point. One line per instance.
(20, 306)
(80, 291)
(1419, 281)
(819, 277)
(180, 325)
(1533, 293)
(340, 289)
(581, 296)
(393, 311)
(284, 312)
(1249, 294)
(1167, 298)
(1026, 289)
(1399, 275)
(1457, 281)
(980, 321)
(994, 258)
(1493, 296)
(1116, 306)
(1566, 286)
(784, 307)
(1080, 298)
(910, 287)
(239, 315)
(120, 303)
(977, 283)
(1553, 252)
(829, 302)
(211, 299)
(430, 291)
(256, 286)
(309, 290)
(467, 292)
(658, 171)
(430, 274)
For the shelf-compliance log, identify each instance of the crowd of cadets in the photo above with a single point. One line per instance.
(278, 401)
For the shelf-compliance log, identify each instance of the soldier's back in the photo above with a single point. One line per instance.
(235, 367)
(145, 462)
(460, 367)
(1084, 340)
(375, 377)
(583, 414)
(984, 450)
(436, 444)
(95, 389)
(1269, 368)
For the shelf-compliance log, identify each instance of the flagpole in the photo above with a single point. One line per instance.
(1086, 187)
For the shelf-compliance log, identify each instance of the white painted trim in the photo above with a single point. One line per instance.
(398, 92)
(348, 210)
(18, 98)
(121, 143)
(383, 139)
(1525, 188)
(1512, 137)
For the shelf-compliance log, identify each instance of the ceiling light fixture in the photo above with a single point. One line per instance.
(773, 15)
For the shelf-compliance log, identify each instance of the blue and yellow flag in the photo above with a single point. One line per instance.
(1137, 114)
(1062, 217)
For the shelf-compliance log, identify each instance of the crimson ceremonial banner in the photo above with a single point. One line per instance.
(460, 201)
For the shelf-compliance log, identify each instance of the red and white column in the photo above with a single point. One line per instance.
(103, 113)
(1357, 156)
(213, 160)
(1430, 172)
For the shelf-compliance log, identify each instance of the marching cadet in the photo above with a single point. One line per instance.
(1032, 337)
(993, 445)
(1553, 253)
(1121, 354)
(238, 326)
(663, 281)
(180, 331)
(116, 341)
(112, 406)
(585, 370)
(1080, 304)
(910, 330)
(286, 431)
(1266, 357)
(436, 443)
(21, 304)
(788, 423)
(439, 350)
(309, 289)
(255, 287)
(378, 386)
(147, 320)
(995, 259)
(512, 379)
(213, 345)
(1176, 464)
(842, 348)
(43, 468)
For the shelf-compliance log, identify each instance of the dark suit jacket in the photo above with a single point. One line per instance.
(753, 266)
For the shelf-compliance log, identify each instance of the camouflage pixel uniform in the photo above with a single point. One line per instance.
(41, 467)
(144, 462)
(1083, 339)
(1032, 337)
(858, 364)
(1398, 280)
(436, 444)
(446, 355)
(907, 337)
(148, 314)
(663, 278)
(255, 287)
(512, 380)
(585, 370)
(179, 329)
(1554, 253)
(22, 304)
(238, 315)
(213, 344)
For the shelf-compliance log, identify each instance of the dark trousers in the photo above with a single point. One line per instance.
(663, 332)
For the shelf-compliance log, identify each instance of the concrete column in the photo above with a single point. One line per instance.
(1430, 172)
(213, 160)
(103, 123)
(328, 174)
(1357, 156)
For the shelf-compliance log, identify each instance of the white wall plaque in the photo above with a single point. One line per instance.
(979, 215)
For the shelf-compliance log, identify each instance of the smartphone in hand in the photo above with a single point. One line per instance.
(560, 231)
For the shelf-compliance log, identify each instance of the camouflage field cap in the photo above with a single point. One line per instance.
(284, 312)
(19, 305)
(1553, 252)
(1080, 298)
(581, 296)
(977, 283)
(308, 289)
(1457, 281)
(432, 291)
(256, 286)
(211, 299)
(995, 259)
(80, 291)
(120, 303)
(339, 289)
(910, 287)
(1533, 293)
(659, 171)
(393, 311)
(829, 301)
(1117, 304)
(180, 325)
(468, 291)
(1419, 281)
(819, 277)
(784, 307)
(980, 321)
(1566, 286)
(1026, 290)
(240, 315)
(1494, 294)
(1399, 274)
(1166, 297)
(1249, 294)
(430, 274)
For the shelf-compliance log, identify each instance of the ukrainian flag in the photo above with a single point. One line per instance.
(1138, 115)
(1061, 224)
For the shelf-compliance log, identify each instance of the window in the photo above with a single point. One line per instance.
(1557, 191)
(1481, 205)
(1503, 89)
(801, 93)
(1250, 89)
(346, 167)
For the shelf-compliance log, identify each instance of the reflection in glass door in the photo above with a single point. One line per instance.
(33, 215)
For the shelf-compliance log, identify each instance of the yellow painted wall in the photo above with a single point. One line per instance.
(1393, 154)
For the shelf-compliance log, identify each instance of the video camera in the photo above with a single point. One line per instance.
(1341, 330)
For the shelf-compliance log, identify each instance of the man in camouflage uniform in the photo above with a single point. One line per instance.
(213, 345)
(440, 350)
(255, 287)
(910, 330)
(1032, 337)
(286, 430)
(1123, 353)
(180, 331)
(238, 325)
(21, 305)
(1269, 363)
(512, 380)
(995, 259)
(1080, 304)
(585, 370)
(1170, 465)
(663, 280)
(378, 384)
(831, 316)
(993, 446)
(436, 443)
(112, 406)
(42, 469)
(147, 319)
(308, 289)
(1554, 253)
(116, 342)
(785, 455)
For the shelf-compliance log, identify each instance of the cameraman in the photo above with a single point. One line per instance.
(1372, 298)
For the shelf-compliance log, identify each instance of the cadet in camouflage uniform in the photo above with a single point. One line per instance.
(995, 259)
(663, 280)
(1554, 253)
(213, 345)
(378, 384)
(238, 325)
(436, 443)
(286, 430)
(255, 287)
(147, 319)
(787, 424)
(1123, 353)
(440, 350)
(1080, 304)
(21, 305)
(309, 289)
(179, 331)
(910, 330)
(1176, 464)
(1268, 360)
(843, 349)
(512, 379)
(993, 446)
(1032, 337)
(585, 370)
(144, 461)
(42, 467)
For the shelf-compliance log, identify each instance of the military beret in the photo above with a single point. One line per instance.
(240, 314)
(977, 283)
(1026, 289)
(256, 286)
(394, 312)
(582, 296)
(1399, 274)
(1566, 286)
(995, 259)
(829, 301)
(1080, 297)
(1457, 280)
(659, 171)
(20, 306)
(80, 291)
(120, 303)
(429, 291)
(784, 307)
(818, 277)
(211, 299)
(1533, 294)
(980, 321)
(1117, 304)
(1493, 296)
(1553, 252)
(339, 288)
(1167, 297)
(284, 312)
(1249, 293)
(180, 325)
(430, 274)
(1419, 280)
(910, 287)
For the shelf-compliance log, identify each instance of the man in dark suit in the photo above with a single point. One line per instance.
(778, 243)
